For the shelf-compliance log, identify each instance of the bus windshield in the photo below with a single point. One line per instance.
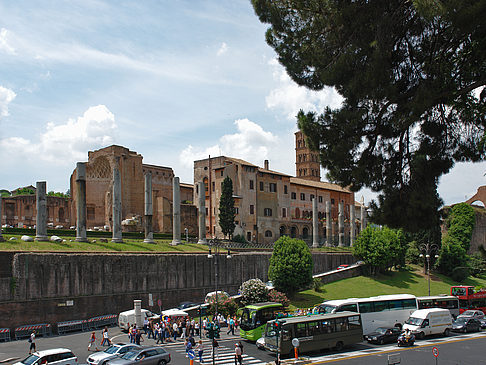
(326, 308)
(248, 317)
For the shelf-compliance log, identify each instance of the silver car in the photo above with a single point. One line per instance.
(145, 356)
(112, 352)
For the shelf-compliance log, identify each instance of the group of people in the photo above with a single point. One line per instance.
(105, 341)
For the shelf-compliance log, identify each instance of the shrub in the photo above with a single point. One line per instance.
(413, 254)
(452, 259)
(290, 265)
(226, 305)
(239, 238)
(316, 284)
(278, 297)
(253, 291)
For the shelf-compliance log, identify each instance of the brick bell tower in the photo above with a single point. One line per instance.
(306, 161)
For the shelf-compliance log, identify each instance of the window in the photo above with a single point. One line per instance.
(261, 185)
(327, 326)
(332, 201)
(301, 330)
(409, 304)
(236, 210)
(285, 189)
(273, 187)
(222, 172)
(293, 195)
(311, 197)
(252, 209)
(284, 212)
(305, 232)
(381, 306)
(366, 307)
(314, 328)
(320, 199)
(354, 322)
(251, 185)
(348, 307)
(302, 196)
(206, 211)
(267, 212)
(90, 212)
(268, 233)
(341, 324)
(214, 186)
(248, 236)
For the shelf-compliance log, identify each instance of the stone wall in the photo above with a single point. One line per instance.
(42, 284)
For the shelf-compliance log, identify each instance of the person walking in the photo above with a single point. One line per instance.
(238, 355)
(175, 328)
(231, 326)
(200, 351)
(32, 343)
(138, 337)
(215, 353)
(106, 340)
(92, 341)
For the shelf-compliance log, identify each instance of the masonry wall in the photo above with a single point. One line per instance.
(39, 285)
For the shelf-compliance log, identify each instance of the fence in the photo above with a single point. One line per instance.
(101, 321)
(43, 330)
(71, 326)
(5, 334)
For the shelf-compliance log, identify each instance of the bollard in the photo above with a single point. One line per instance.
(296, 351)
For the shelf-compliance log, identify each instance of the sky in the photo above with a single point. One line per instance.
(173, 80)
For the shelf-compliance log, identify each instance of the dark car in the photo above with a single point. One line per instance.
(465, 324)
(383, 335)
(146, 356)
(185, 305)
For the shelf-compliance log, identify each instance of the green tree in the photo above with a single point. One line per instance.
(290, 265)
(227, 208)
(380, 248)
(409, 74)
(453, 260)
(460, 223)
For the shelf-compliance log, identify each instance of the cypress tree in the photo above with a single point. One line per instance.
(227, 208)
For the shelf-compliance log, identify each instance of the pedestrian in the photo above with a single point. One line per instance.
(145, 325)
(215, 349)
(238, 355)
(151, 330)
(160, 334)
(188, 346)
(200, 350)
(32, 342)
(130, 333)
(175, 328)
(205, 326)
(231, 326)
(138, 337)
(106, 340)
(196, 328)
(134, 332)
(92, 341)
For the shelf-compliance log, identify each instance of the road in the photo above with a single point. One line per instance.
(461, 349)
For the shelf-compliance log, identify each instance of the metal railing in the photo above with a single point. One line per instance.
(5, 334)
(43, 329)
(71, 326)
(102, 321)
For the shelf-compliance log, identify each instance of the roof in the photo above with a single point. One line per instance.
(186, 185)
(240, 161)
(51, 351)
(261, 169)
(264, 304)
(317, 317)
(377, 298)
(319, 184)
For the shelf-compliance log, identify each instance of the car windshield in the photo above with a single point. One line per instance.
(30, 359)
(112, 349)
(460, 321)
(327, 308)
(130, 355)
(468, 313)
(381, 330)
(414, 321)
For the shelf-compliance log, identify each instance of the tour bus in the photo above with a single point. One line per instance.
(314, 332)
(469, 298)
(380, 311)
(254, 317)
(440, 301)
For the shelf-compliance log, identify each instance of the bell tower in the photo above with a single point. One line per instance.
(306, 161)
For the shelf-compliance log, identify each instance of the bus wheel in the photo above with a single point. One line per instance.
(398, 325)
(339, 346)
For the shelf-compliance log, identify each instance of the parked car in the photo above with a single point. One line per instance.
(465, 324)
(185, 305)
(146, 356)
(59, 356)
(213, 293)
(260, 343)
(472, 313)
(112, 352)
(383, 335)
(483, 323)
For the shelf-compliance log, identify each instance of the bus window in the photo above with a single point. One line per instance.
(381, 306)
(354, 322)
(341, 324)
(327, 326)
(409, 304)
(301, 330)
(314, 328)
(395, 304)
(348, 307)
(366, 307)
(458, 291)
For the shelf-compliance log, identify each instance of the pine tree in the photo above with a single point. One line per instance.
(227, 208)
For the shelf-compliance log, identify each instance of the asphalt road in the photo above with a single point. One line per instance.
(457, 349)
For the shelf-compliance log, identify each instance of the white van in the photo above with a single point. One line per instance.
(128, 317)
(58, 356)
(431, 321)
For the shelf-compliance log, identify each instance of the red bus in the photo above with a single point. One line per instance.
(469, 298)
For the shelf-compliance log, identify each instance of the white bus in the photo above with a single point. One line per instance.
(380, 311)
(440, 301)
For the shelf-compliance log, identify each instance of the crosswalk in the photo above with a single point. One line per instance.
(223, 355)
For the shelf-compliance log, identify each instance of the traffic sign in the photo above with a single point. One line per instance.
(159, 302)
(435, 351)
(191, 354)
(295, 342)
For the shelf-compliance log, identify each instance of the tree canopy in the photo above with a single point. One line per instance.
(412, 75)
(227, 208)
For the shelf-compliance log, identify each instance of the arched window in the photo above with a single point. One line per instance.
(61, 214)
(282, 230)
(268, 233)
(293, 232)
(305, 232)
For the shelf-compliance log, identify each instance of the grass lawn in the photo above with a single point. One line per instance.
(411, 281)
(95, 245)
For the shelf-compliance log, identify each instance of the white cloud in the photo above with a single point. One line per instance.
(223, 49)
(6, 96)
(290, 97)
(65, 143)
(250, 143)
(4, 45)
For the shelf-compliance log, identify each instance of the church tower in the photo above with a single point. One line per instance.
(306, 161)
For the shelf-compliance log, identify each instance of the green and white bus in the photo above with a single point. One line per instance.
(314, 332)
(254, 317)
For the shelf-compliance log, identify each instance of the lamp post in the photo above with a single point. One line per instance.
(214, 254)
(428, 249)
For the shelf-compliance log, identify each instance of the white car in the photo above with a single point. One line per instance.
(260, 343)
(110, 353)
(472, 314)
(58, 356)
(213, 293)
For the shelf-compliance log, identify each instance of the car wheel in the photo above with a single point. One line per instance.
(421, 336)
(381, 341)
(447, 332)
(162, 362)
(339, 346)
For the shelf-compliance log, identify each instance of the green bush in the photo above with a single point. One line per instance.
(253, 291)
(453, 259)
(477, 264)
(413, 254)
(278, 297)
(239, 238)
(316, 284)
(290, 265)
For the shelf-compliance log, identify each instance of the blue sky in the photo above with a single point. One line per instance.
(172, 80)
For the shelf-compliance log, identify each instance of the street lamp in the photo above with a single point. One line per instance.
(428, 249)
(215, 254)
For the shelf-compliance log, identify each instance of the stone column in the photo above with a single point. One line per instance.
(341, 224)
(1, 237)
(315, 227)
(202, 213)
(328, 224)
(81, 202)
(363, 215)
(117, 208)
(149, 231)
(137, 307)
(41, 206)
(176, 212)
(352, 225)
